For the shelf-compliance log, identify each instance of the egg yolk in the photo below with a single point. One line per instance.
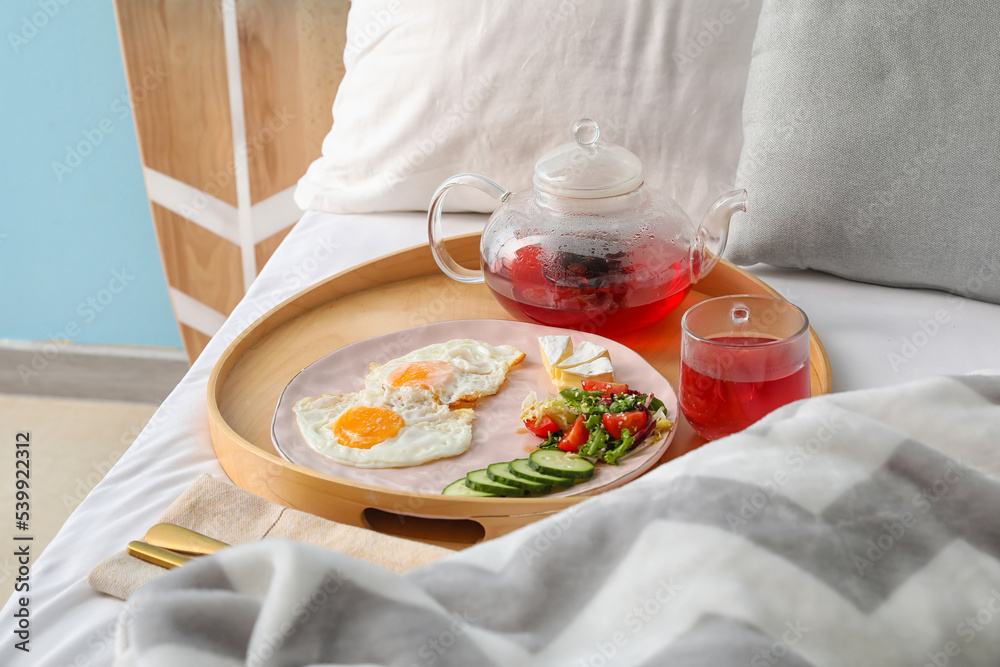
(427, 374)
(363, 427)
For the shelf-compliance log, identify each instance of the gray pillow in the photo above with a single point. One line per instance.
(872, 143)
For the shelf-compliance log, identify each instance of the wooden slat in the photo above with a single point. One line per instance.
(194, 341)
(291, 63)
(204, 266)
(176, 68)
(291, 54)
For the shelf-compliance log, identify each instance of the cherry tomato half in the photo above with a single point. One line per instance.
(606, 388)
(541, 427)
(575, 437)
(615, 422)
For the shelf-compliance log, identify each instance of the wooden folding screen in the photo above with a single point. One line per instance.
(231, 100)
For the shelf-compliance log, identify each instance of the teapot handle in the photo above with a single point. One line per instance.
(452, 268)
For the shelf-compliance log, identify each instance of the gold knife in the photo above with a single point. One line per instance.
(182, 540)
(156, 555)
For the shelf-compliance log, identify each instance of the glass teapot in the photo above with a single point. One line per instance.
(590, 248)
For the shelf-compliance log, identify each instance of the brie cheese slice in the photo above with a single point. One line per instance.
(584, 353)
(599, 369)
(554, 350)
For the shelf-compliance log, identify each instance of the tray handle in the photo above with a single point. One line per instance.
(450, 533)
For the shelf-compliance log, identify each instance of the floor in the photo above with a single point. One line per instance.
(73, 444)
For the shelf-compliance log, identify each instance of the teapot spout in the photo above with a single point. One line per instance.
(710, 241)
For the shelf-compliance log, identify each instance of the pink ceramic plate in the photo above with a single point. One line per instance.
(497, 432)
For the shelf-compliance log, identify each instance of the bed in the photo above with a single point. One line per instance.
(875, 335)
(861, 326)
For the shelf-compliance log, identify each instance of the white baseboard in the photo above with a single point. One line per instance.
(105, 372)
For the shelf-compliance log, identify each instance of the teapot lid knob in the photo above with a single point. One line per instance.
(586, 132)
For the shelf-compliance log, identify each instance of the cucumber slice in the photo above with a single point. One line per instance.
(521, 468)
(458, 488)
(478, 480)
(499, 472)
(559, 463)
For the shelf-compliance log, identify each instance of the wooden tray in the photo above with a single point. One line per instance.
(395, 292)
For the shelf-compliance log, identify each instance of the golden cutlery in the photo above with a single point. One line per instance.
(182, 540)
(156, 555)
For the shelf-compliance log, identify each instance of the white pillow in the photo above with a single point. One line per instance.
(438, 87)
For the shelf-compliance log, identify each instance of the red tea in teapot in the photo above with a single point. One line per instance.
(607, 295)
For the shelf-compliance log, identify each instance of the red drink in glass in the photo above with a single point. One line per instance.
(717, 406)
(741, 358)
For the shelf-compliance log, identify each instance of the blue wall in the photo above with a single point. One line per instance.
(78, 255)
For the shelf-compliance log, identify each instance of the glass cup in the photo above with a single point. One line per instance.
(741, 357)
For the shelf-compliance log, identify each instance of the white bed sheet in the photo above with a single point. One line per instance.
(874, 336)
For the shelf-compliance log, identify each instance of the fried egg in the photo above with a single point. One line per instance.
(389, 429)
(458, 371)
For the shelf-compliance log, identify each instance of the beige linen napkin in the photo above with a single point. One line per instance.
(230, 514)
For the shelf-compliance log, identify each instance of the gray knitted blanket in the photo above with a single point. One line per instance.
(854, 529)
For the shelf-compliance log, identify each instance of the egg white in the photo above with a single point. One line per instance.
(480, 369)
(431, 430)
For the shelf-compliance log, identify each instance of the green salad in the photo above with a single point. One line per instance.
(601, 420)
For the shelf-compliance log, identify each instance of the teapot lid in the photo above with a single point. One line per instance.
(588, 168)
